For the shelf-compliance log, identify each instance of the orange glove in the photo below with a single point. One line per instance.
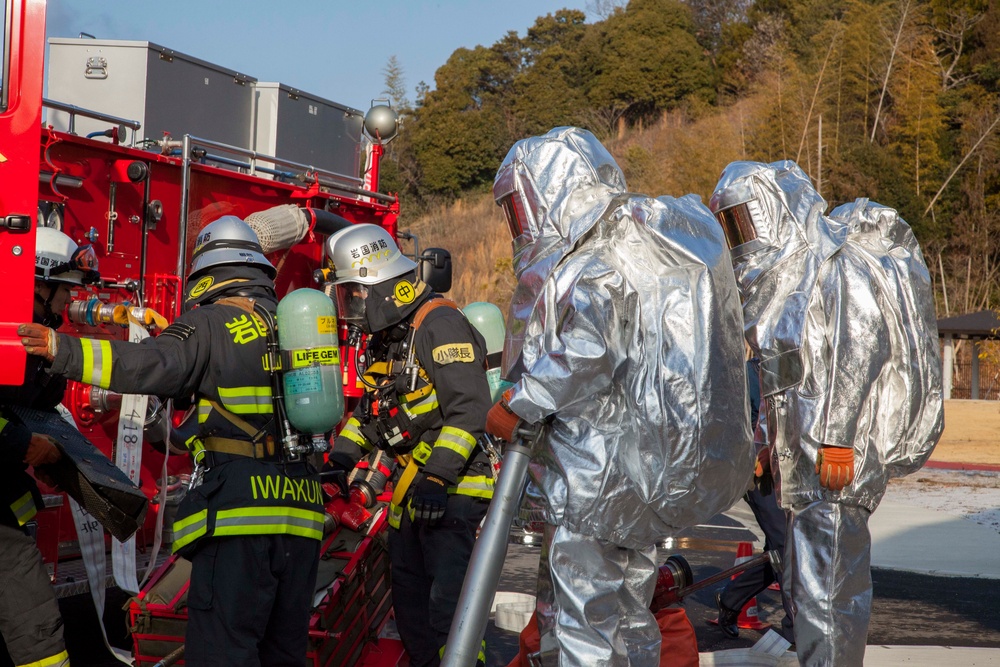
(39, 340)
(501, 421)
(42, 451)
(835, 467)
(762, 472)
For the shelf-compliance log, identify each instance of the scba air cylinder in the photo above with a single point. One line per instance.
(310, 360)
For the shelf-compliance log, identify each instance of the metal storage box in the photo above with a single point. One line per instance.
(164, 90)
(303, 128)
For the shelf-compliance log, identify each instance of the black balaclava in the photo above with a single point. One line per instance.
(392, 301)
(218, 282)
(49, 318)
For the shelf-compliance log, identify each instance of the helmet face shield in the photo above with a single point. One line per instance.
(513, 211)
(737, 224)
(85, 260)
(351, 299)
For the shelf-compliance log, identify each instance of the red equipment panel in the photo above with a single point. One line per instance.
(20, 120)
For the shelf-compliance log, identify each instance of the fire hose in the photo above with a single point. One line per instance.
(473, 611)
(171, 658)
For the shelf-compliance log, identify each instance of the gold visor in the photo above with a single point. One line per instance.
(737, 224)
(514, 212)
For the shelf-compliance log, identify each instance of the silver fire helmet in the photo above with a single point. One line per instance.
(228, 241)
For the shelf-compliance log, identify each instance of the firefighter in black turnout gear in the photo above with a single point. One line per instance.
(29, 613)
(426, 403)
(252, 526)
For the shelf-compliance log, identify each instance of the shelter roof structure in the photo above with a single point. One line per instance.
(984, 325)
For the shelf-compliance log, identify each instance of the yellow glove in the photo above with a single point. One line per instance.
(835, 467)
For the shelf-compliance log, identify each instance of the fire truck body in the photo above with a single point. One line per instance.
(141, 206)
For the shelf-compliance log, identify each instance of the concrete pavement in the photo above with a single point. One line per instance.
(913, 539)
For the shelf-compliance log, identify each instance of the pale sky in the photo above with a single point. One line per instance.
(334, 49)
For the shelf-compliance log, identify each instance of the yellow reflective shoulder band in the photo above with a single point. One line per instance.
(24, 508)
(189, 529)
(459, 441)
(96, 362)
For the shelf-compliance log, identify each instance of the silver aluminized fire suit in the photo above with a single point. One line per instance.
(840, 311)
(625, 343)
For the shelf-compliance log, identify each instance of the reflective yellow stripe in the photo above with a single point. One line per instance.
(423, 406)
(3, 424)
(247, 400)
(24, 508)
(190, 528)
(395, 515)
(96, 362)
(459, 441)
(352, 432)
(269, 521)
(60, 659)
(204, 410)
(477, 486)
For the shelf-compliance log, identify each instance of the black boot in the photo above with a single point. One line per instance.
(727, 618)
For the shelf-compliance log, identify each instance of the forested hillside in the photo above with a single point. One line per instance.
(898, 101)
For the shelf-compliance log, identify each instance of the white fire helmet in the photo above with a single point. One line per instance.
(58, 259)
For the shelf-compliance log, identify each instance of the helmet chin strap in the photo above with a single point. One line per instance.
(49, 318)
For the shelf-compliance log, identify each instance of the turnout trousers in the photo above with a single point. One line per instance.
(428, 568)
(249, 601)
(29, 613)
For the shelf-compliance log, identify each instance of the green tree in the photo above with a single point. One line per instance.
(648, 60)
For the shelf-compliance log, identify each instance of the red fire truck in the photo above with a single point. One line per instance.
(137, 149)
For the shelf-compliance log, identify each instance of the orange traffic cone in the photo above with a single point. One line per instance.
(748, 615)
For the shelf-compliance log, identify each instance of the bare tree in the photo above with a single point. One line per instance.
(888, 70)
(979, 142)
(952, 44)
(602, 9)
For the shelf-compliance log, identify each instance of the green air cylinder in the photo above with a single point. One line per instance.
(488, 321)
(310, 361)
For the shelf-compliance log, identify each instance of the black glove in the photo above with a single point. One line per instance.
(428, 500)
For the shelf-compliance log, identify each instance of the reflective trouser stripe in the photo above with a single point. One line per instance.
(459, 441)
(24, 508)
(96, 362)
(189, 529)
(60, 659)
(204, 410)
(253, 400)
(269, 521)
(352, 432)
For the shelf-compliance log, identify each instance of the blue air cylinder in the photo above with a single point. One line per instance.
(310, 361)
